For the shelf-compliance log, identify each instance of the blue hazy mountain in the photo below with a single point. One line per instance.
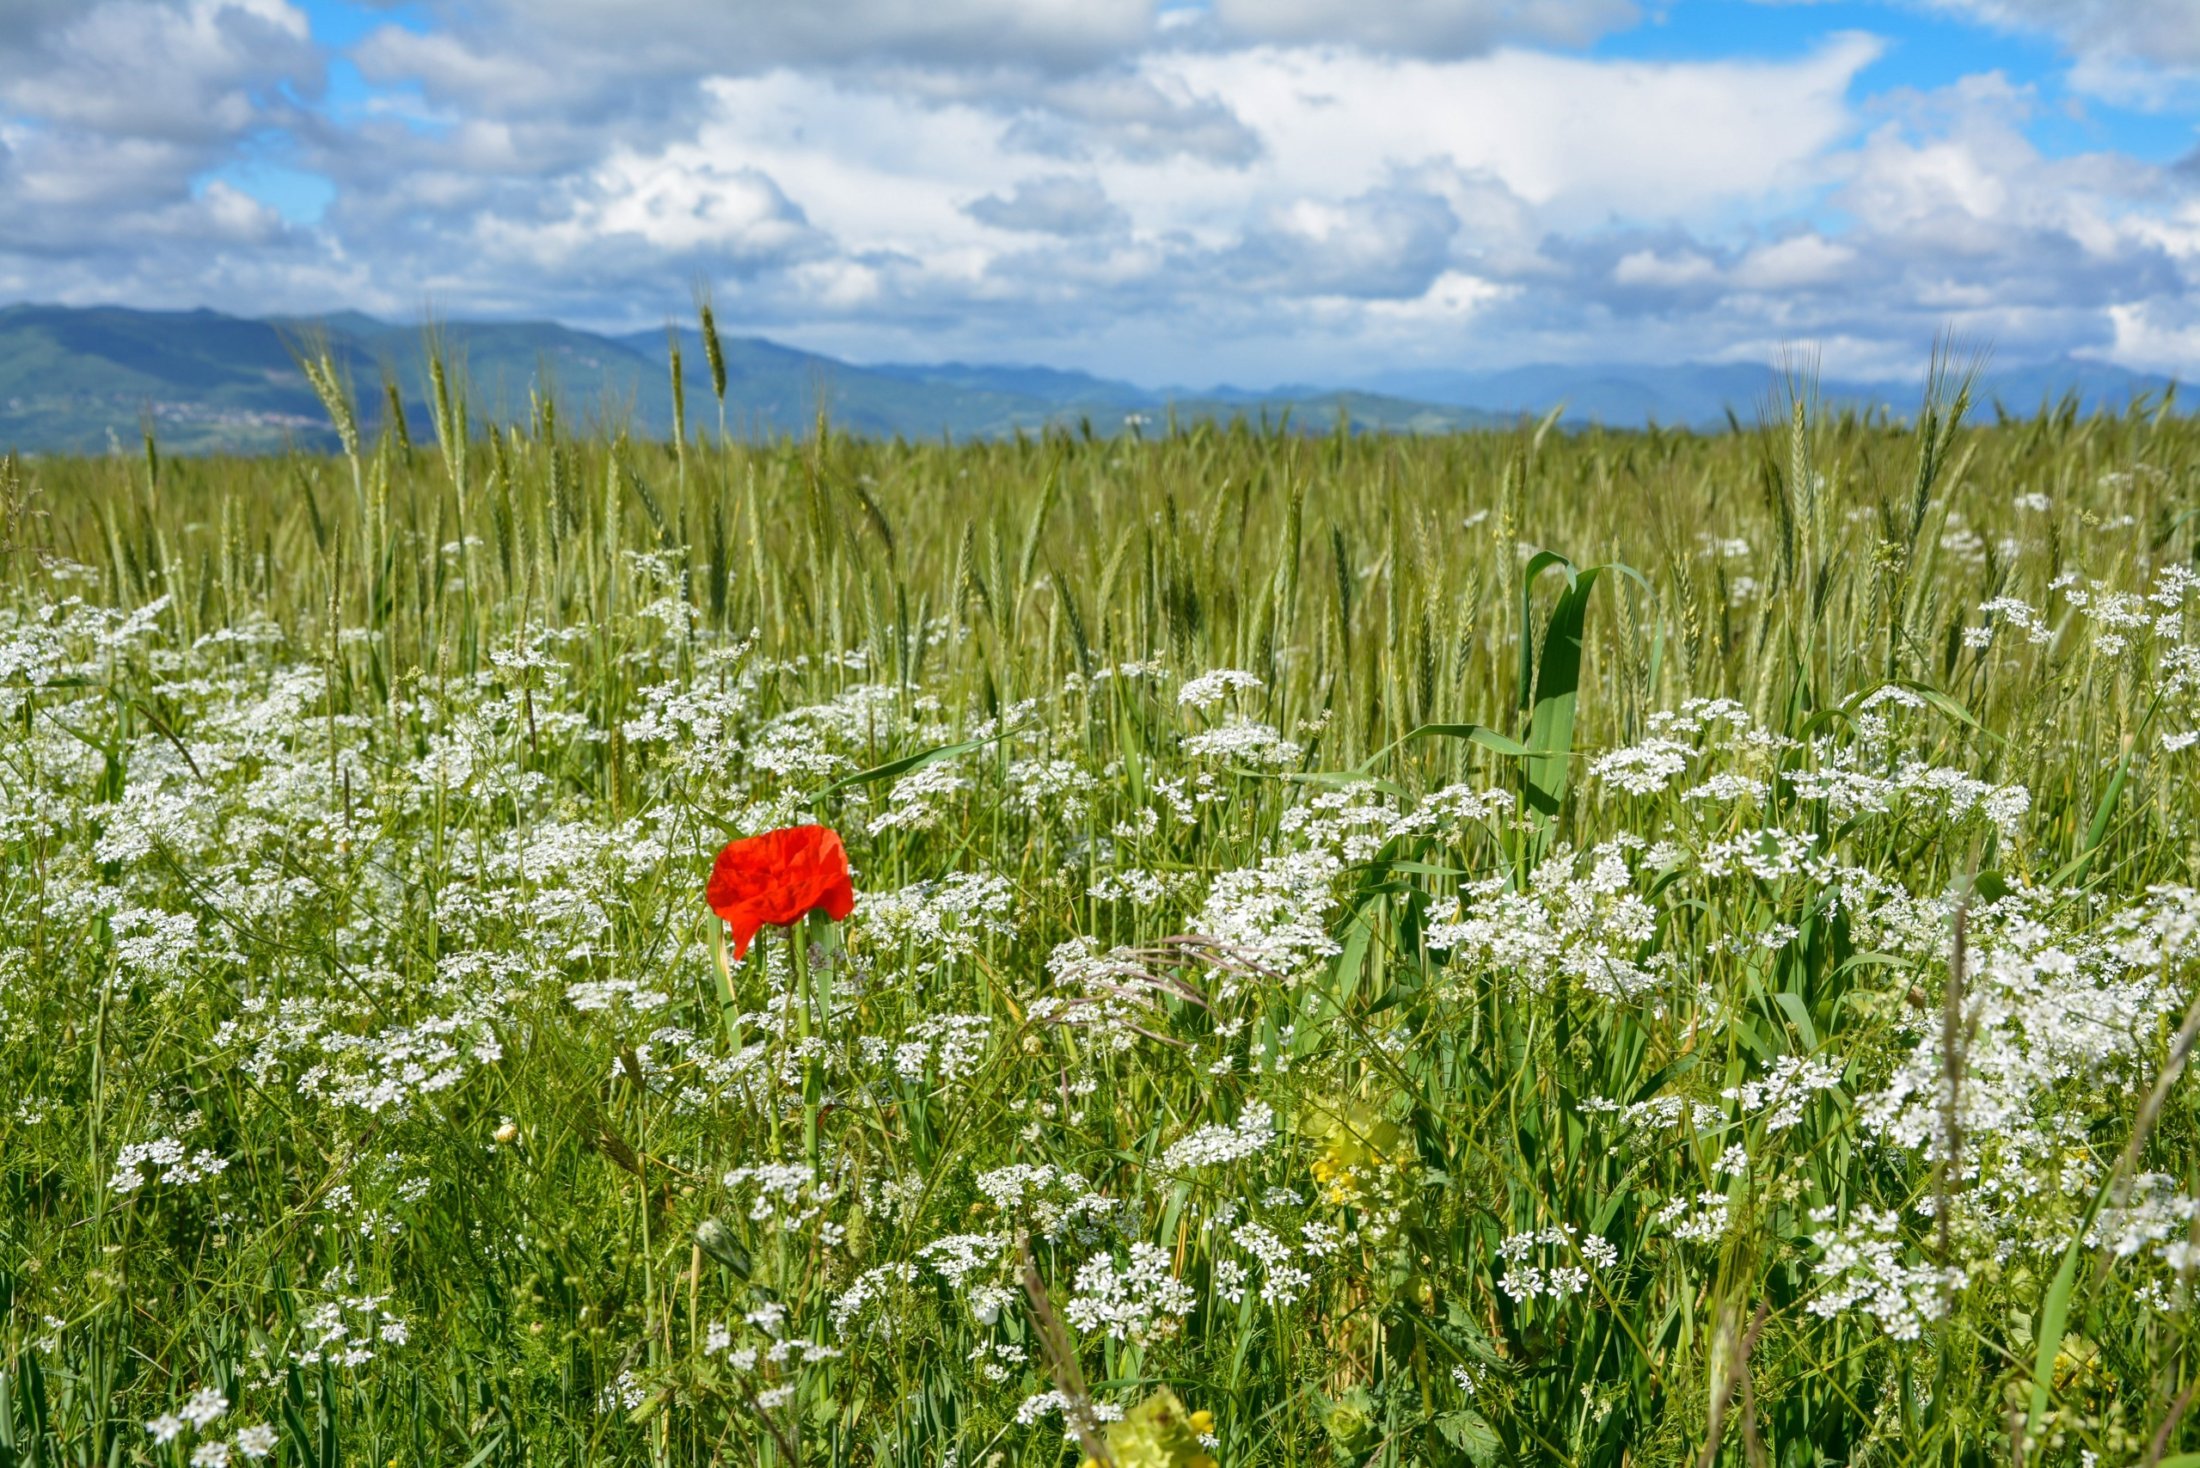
(1700, 394)
(86, 379)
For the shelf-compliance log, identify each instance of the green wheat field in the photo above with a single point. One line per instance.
(1538, 947)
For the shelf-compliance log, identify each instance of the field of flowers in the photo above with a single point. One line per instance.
(1522, 948)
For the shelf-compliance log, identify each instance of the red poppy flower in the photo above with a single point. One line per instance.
(780, 878)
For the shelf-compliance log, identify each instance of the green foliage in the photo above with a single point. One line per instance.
(1408, 1005)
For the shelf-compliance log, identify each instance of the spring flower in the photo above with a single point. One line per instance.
(1359, 1150)
(779, 878)
(1159, 1433)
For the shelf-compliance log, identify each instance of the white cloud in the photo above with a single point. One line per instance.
(682, 201)
(183, 74)
(499, 79)
(2158, 336)
(1426, 27)
(1372, 177)
(591, 55)
(1059, 205)
(1958, 174)
(227, 215)
(1665, 139)
(1795, 263)
(2143, 54)
(1141, 114)
(2158, 32)
(730, 35)
(1449, 301)
(1262, 189)
(1389, 242)
(113, 113)
(1649, 268)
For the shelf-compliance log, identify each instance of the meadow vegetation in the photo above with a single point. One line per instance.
(1526, 947)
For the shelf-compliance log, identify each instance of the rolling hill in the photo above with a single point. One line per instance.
(87, 379)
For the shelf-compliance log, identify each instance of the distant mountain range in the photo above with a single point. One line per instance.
(1699, 394)
(85, 379)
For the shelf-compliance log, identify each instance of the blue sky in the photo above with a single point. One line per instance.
(1250, 190)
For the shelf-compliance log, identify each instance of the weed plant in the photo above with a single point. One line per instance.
(1533, 947)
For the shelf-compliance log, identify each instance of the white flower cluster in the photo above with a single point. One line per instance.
(950, 1047)
(1660, 1113)
(201, 1411)
(919, 799)
(866, 1289)
(1246, 742)
(788, 1194)
(1211, 688)
(1558, 1281)
(958, 1256)
(1036, 786)
(1056, 1203)
(1217, 1146)
(1786, 1088)
(164, 1159)
(1770, 855)
(1861, 1267)
(1642, 769)
(2048, 1015)
(2154, 1214)
(1587, 927)
(941, 921)
(1282, 1280)
(1137, 1299)
(1276, 913)
(1695, 1219)
(333, 1338)
(2009, 611)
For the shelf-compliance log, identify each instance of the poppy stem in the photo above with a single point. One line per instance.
(821, 981)
(812, 1073)
(729, 1010)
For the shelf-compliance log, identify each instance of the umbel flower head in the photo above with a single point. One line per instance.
(779, 878)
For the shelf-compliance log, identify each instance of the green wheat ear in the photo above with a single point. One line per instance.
(714, 352)
(335, 397)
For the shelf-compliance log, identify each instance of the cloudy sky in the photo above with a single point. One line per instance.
(1250, 190)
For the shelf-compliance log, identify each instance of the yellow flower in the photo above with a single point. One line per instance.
(1159, 1433)
(1362, 1153)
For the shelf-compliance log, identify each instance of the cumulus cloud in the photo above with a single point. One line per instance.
(113, 113)
(1139, 114)
(596, 56)
(1426, 27)
(184, 74)
(2160, 335)
(1251, 189)
(686, 202)
(2159, 32)
(1058, 205)
(741, 35)
(1389, 242)
(2132, 53)
(499, 80)
(1798, 262)
(1665, 139)
(1648, 267)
